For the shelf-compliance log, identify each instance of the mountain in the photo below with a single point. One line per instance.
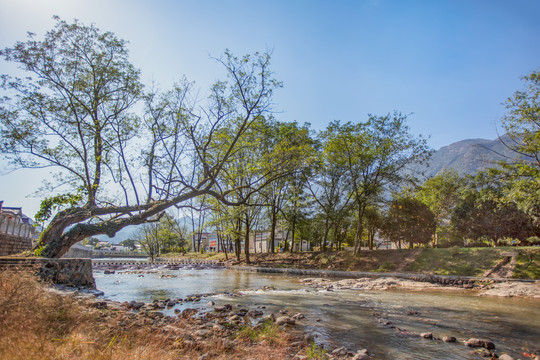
(126, 233)
(130, 232)
(467, 156)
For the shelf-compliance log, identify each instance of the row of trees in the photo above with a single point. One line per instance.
(224, 161)
(350, 185)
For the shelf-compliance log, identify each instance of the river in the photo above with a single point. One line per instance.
(380, 321)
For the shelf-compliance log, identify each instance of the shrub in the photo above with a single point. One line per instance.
(266, 330)
(386, 266)
(315, 351)
(454, 250)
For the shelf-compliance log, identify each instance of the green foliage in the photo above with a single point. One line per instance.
(520, 176)
(386, 266)
(55, 203)
(74, 112)
(533, 240)
(410, 221)
(315, 351)
(484, 212)
(52, 118)
(454, 250)
(267, 330)
(522, 121)
(90, 241)
(39, 250)
(373, 155)
(528, 264)
(129, 243)
(441, 194)
(162, 235)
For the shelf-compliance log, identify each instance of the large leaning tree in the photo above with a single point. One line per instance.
(120, 156)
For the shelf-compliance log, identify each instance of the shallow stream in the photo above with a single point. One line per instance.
(380, 321)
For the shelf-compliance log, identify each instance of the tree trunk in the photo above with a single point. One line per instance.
(292, 234)
(273, 226)
(293, 226)
(246, 239)
(53, 242)
(326, 231)
(223, 245)
(238, 249)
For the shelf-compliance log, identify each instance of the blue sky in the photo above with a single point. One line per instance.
(450, 63)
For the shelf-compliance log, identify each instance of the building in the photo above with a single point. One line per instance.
(211, 243)
(17, 231)
(259, 242)
(202, 238)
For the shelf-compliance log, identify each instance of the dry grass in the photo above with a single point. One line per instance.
(40, 324)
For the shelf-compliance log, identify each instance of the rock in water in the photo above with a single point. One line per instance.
(361, 355)
(505, 357)
(480, 343)
(285, 320)
(270, 317)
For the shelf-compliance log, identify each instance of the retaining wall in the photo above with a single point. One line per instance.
(11, 244)
(78, 251)
(441, 279)
(69, 272)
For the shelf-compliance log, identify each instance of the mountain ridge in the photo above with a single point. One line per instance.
(466, 156)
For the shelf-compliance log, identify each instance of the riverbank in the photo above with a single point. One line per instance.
(39, 323)
(502, 262)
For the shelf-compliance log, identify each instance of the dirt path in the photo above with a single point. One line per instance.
(504, 269)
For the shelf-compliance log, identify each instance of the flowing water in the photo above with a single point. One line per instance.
(381, 321)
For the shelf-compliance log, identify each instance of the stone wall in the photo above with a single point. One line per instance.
(69, 272)
(441, 279)
(78, 251)
(11, 244)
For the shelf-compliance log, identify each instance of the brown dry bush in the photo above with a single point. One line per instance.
(36, 323)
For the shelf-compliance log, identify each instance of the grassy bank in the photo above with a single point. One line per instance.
(40, 324)
(450, 261)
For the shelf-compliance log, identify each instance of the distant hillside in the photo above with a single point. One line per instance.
(466, 157)
(125, 233)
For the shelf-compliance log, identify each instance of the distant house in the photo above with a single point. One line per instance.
(209, 242)
(202, 238)
(259, 242)
(17, 231)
